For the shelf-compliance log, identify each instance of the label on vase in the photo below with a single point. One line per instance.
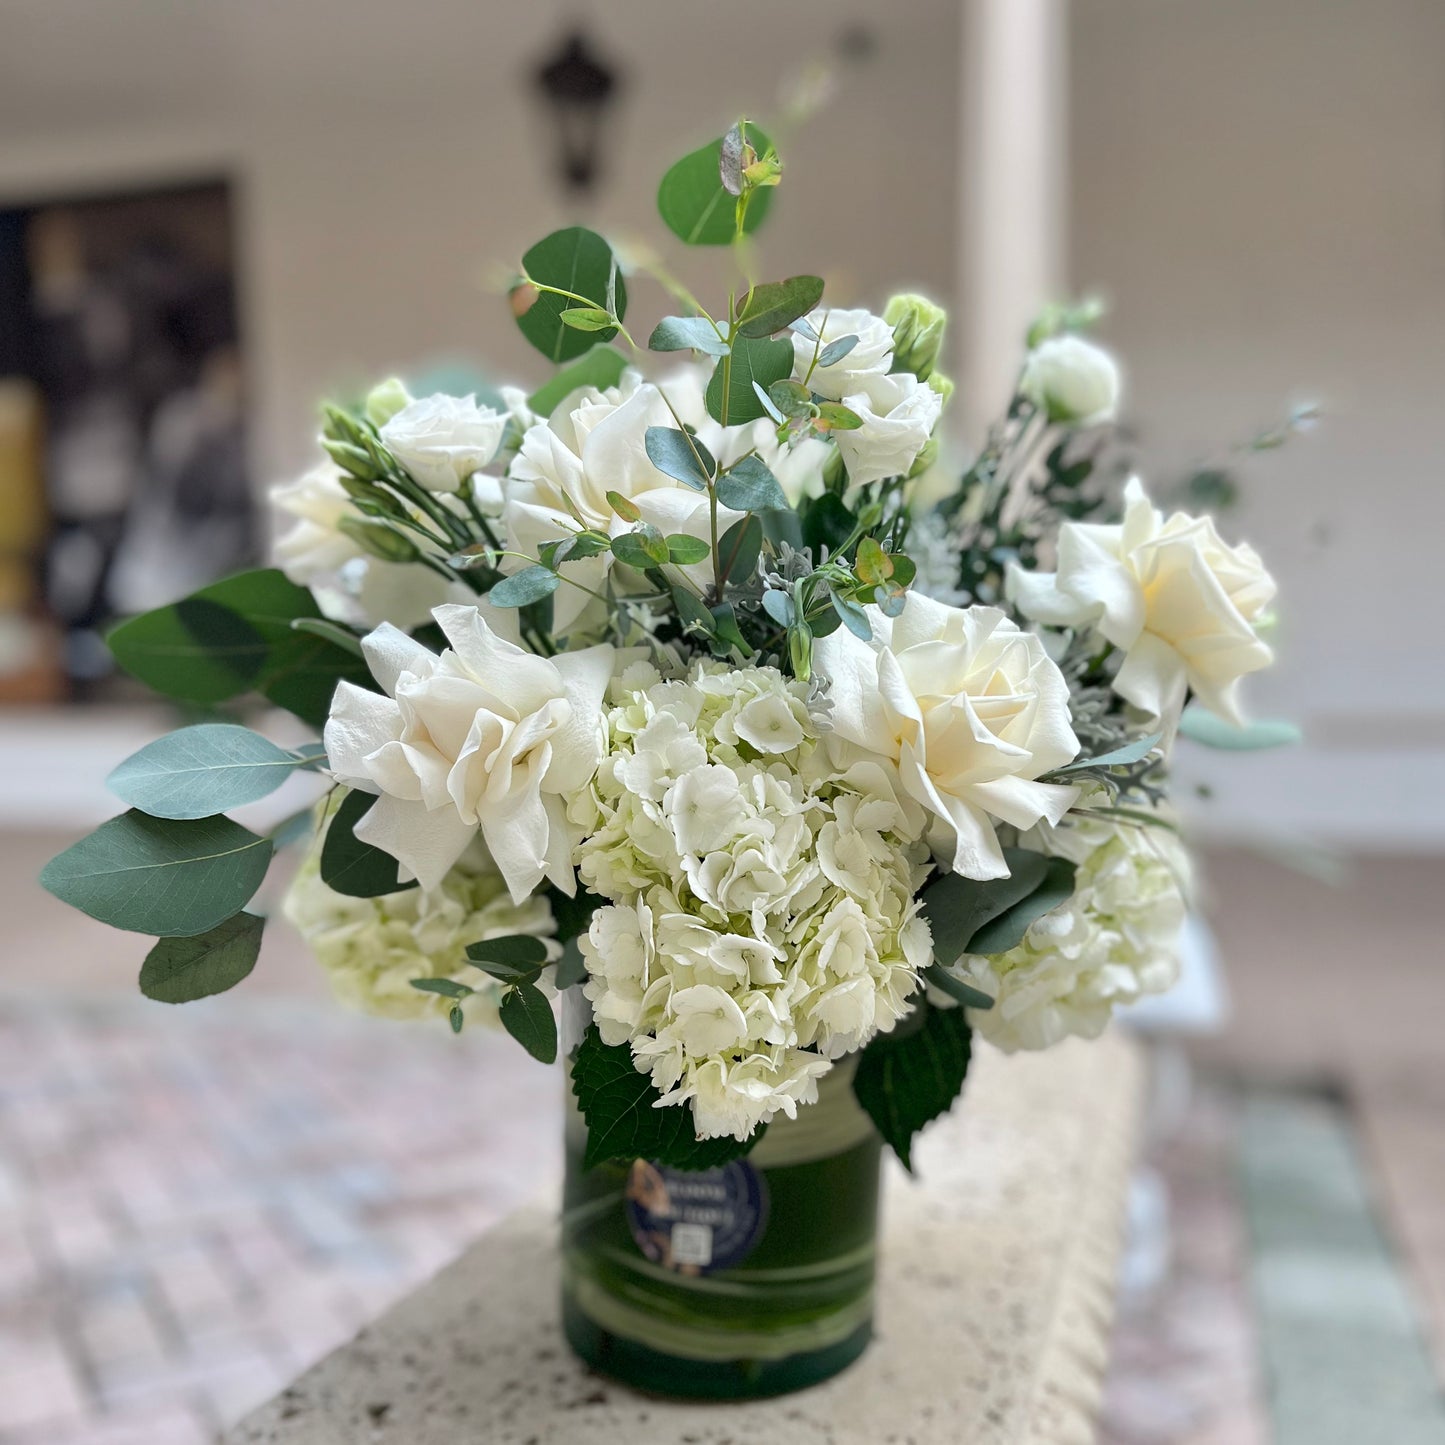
(696, 1221)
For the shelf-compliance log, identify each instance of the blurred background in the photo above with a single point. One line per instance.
(212, 214)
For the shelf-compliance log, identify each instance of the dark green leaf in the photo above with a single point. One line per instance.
(771, 306)
(691, 609)
(791, 398)
(1006, 931)
(682, 457)
(738, 549)
(957, 988)
(343, 637)
(350, 866)
(445, 987)
(827, 523)
(905, 569)
(685, 550)
(750, 487)
(199, 771)
(632, 549)
(180, 970)
(527, 1016)
(695, 206)
(302, 671)
(531, 584)
(1214, 732)
(456, 1018)
(571, 967)
(170, 878)
(622, 1125)
(601, 367)
(573, 914)
(957, 907)
(753, 361)
(195, 651)
(782, 524)
(515, 948)
(687, 333)
(579, 261)
(510, 972)
(906, 1080)
(725, 630)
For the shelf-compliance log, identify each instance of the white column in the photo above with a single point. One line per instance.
(1011, 232)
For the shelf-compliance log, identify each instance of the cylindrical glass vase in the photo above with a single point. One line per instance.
(749, 1280)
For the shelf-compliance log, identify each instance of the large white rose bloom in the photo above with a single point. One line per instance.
(1178, 601)
(899, 413)
(372, 948)
(486, 736)
(596, 442)
(970, 709)
(1072, 380)
(349, 585)
(443, 440)
(761, 918)
(869, 358)
(1115, 940)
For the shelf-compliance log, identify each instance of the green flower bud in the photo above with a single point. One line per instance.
(918, 326)
(942, 384)
(352, 459)
(384, 401)
(379, 540)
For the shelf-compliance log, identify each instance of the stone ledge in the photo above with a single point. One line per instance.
(994, 1304)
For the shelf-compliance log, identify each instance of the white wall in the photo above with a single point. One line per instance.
(1259, 185)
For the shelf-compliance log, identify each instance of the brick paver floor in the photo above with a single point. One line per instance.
(195, 1204)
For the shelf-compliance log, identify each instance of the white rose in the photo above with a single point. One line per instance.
(485, 736)
(869, 358)
(1072, 380)
(899, 414)
(442, 440)
(350, 585)
(1171, 595)
(970, 708)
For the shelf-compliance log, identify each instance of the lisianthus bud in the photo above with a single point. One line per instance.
(918, 326)
(378, 539)
(384, 401)
(1072, 380)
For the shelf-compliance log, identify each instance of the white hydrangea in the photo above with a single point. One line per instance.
(761, 918)
(372, 948)
(1115, 940)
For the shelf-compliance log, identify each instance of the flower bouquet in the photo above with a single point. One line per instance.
(661, 689)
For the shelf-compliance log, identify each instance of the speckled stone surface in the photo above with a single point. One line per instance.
(994, 1303)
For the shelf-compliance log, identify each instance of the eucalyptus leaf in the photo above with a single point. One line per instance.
(195, 651)
(531, 584)
(835, 351)
(853, 617)
(601, 367)
(1130, 752)
(587, 318)
(443, 987)
(514, 949)
(167, 877)
(685, 550)
(695, 206)
(753, 363)
(202, 770)
(632, 550)
(1212, 731)
(766, 402)
(772, 305)
(779, 606)
(350, 866)
(687, 333)
(957, 988)
(1007, 929)
(334, 632)
(691, 610)
(791, 398)
(527, 1015)
(750, 487)
(510, 972)
(682, 457)
(571, 967)
(738, 549)
(180, 970)
(578, 261)
(957, 907)
(827, 523)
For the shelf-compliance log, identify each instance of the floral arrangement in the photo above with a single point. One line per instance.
(667, 683)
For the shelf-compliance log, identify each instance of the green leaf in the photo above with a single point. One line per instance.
(334, 632)
(631, 550)
(692, 611)
(957, 988)
(753, 361)
(1214, 732)
(834, 416)
(199, 771)
(622, 1124)
(750, 487)
(195, 650)
(581, 262)
(853, 617)
(571, 967)
(835, 351)
(350, 866)
(687, 333)
(456, 1018)
(514, 948)
(1006, 931)
(957, 907)
(791, 397)
(531, 584)
(527, 1016)
(738, 549)
(908, 1078)
(680, 456)
(167, 877)
(573, 914)
(1130, 752)
(827, 523)
(693, 203)
(510, 973)
(773, 305)
(727, 637)
(685, 550)
(601, 367)
(445, 987)
(625, 507)
(587, 318)
(779, 606)
(180, 970)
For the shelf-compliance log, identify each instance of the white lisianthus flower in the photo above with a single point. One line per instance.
(899, 414)
(1072, 380)
(1115, 940)
(487, 736)
(372, 948)
(442, 440)
(761, 917)
(350, 585)
(869, 359)
(1178, 601)
(970, 708)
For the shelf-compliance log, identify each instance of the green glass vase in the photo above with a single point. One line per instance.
(730, 1283)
